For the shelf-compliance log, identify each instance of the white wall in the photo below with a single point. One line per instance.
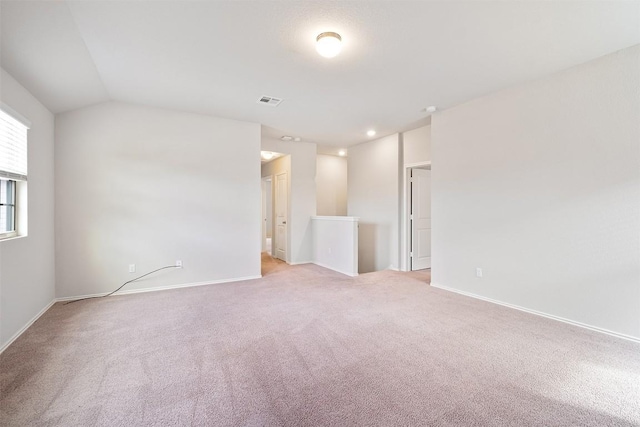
(335, 243)
(374, 196)
(27, 266)
(302, 201)
(416, 145)
(540, 186)
(416, 149)
(331, 185)
(147, 186)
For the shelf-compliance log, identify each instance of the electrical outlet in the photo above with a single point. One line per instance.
(479, 272)
(179, 263)
(132, 268)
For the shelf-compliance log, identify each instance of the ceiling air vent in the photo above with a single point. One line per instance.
(270, 101)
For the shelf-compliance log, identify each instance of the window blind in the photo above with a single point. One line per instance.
(13, 148)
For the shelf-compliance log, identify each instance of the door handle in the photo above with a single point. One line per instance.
(284, 222)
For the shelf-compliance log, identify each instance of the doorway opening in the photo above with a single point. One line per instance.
(267, 214)
(275, 172)
(417, 218)
(281, 213)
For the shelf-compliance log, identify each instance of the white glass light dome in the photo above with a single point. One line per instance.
(329, 44)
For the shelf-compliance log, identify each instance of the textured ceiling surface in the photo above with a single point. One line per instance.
(219, 57)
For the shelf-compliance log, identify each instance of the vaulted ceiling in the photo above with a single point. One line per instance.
(219, 57)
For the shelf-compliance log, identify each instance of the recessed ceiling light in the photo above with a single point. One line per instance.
(328, 44)
(371, 132)
(286, 138)
(431, 109)
(341, 153)
(267, 155)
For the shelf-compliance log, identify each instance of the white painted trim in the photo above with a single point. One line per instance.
(25, 327)
(417, 164)
(163, 288)
(405, 226)
(336, 270)
(392, 268)
(337, 218)
(10, 236)
(13, 113)
(540, 313)
(287, 252)
(300, 262)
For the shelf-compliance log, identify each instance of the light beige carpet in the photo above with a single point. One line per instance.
(308, 347)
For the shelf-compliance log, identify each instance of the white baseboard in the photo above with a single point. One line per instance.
(26, 326)
(301, 262)
(163, 288)
(335, 269)
(540, 313)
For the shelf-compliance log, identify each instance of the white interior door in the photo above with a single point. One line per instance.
(281, 207)
(264, 215)
(420, 218)
(269, 209)
(267, 213)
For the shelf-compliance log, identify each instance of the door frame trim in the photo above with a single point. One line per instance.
(275, 219)
(405, 224)
(264, 180)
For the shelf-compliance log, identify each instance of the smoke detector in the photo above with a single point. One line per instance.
(269, 100)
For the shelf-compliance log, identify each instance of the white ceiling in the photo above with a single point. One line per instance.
(219, 57)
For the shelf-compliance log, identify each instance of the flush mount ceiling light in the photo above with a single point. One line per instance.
(267, 155)
(431, 109)
(286, 138)
(328, 44)
(342, 153)
(371, 132)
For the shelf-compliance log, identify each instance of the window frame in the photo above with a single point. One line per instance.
(18, 182)
(12, 185)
